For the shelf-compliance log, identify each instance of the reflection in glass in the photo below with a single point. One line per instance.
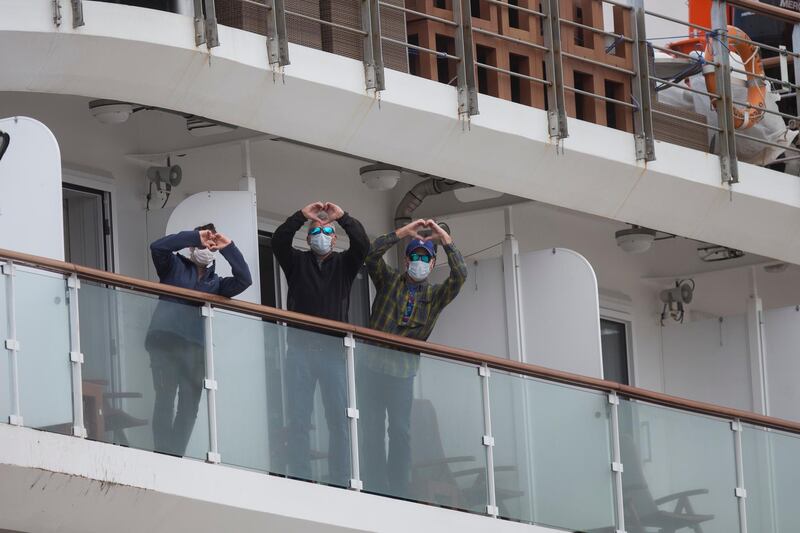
(421, 433)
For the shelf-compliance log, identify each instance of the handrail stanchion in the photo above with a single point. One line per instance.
(642, 117)
(373, 45)
(727, 144)
(199, 23)
(210, 384)
(796, 63)
(277, 41)
(12, 344)
(741, 493)
(77, 14)
(352, 411)
(467, 89)
(557, 110)
(76, 357)
(616, 461)
(488, 442)
(212, 33)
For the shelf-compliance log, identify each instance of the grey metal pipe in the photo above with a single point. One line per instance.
(414, 198)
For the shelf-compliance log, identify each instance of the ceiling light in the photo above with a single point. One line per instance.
(110, 111)
(379, 177)
(635, 240)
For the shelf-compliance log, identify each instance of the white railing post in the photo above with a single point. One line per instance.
(12, 344)
(76, 357)
(616, 461)
(739, 491)
(488, 442)
(210, 385)
(352, 411)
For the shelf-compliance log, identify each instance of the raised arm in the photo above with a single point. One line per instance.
(163, 250)
(379, 271)
(237, 283)
(447, 291)
(284, 235)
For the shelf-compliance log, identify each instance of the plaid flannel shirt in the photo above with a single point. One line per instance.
(392, 297)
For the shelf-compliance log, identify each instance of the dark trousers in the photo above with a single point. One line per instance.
(178, 369)
(381, 395)
(305, 366)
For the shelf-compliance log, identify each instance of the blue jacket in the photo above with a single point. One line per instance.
(179, 317)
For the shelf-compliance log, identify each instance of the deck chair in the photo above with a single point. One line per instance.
(436, 478)
(643, 513)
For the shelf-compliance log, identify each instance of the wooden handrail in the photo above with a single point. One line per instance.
(401, 343)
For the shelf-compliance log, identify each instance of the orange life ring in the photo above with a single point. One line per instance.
(756, 92)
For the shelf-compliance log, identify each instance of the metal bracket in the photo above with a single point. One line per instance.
(212, 32)
(214, 458)
(210, 384)
(643, 116)
(352, 412)
(77, 13)
(617, 467)
(613, 399)
(467, 88)
(356, 484)
(488, 440)
(15, 420)
(12, 344)
(739, 492)
(79, 431)
(349, 342)
(76, 357)
(373, 45)
(199, 23)
(73, 282)
(7, 269)
(484, 371)
(557, 113)
(207, 311)
(492, 510)
(277, 43)
(736, 425)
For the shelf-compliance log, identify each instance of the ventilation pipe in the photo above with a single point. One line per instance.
(414, 198)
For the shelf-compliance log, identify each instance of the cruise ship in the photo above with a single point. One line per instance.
(622, 178)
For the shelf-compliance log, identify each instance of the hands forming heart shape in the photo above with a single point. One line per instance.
(425, 230)
(213, 241)
(332, 212)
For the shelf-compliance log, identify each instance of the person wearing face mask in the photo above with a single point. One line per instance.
(319, 282)
(405, 304)
(175, 337)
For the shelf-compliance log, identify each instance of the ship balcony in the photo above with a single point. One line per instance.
(494, 444)
(558, 103)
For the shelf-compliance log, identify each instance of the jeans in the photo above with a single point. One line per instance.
(178, 368)
(381, 395)
(307, 364)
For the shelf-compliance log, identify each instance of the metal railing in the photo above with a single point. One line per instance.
(496, 404)
(630, 41)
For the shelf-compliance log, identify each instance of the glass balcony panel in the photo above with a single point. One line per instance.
(143, 371)
(429, 448)
(281, 399)
(552, 453)
(680, 469)
(5, 366)
(772, 479)
(45, 374)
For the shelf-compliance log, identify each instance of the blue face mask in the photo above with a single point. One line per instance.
(419, 270)
(321, 244)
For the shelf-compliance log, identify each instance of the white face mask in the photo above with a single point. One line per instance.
(202, 256)
(419, 270)
(321, 244)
